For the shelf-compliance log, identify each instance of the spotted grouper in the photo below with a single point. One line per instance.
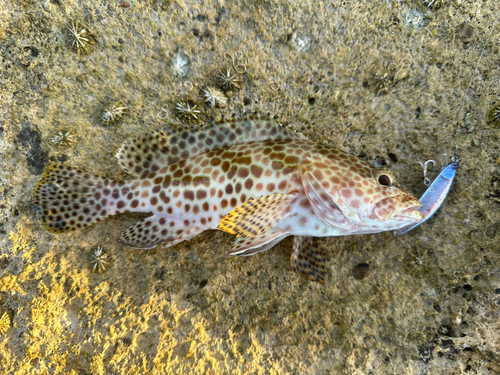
(253, 178)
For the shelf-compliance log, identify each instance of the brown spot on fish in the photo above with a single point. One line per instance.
(223, 203)
(232, 172)
(205, 206)
(134, 203)
(164, 197)
(346, 193)
(201, 180)
(256, 170)
(215, 162)
(259, 186)
(229, 189)
(277, 156)
(201, 194)
(243, 172)
(270, 187)
(186, 180)
(237, 188)
(248, 184)
(245, 160)
(154, 201)
(225, 166)
(189, 195)
(277, 165)
(290, 159)
(234, 203)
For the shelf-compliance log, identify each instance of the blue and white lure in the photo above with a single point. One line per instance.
(436, 193)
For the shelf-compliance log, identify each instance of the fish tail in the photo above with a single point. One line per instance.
(68, 199)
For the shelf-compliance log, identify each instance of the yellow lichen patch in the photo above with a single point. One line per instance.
(22, 240)
(8, 284)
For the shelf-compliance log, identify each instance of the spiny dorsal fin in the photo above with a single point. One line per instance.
(307, 260)
(155, 150)
(257, 215)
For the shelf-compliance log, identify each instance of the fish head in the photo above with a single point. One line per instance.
(353, 197)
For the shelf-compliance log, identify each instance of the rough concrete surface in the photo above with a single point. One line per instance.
(390, 81)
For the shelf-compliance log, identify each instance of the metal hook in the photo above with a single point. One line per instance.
(425, 167)
(455, 159)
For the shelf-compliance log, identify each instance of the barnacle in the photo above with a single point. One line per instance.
(381, 78)
(112, 114)
(228, 80)
(63, 139)
(214, 97)
(80, 38)
(494, 114)
(99, 260)
(4, 323)
(186, 110)
(433, 3)
(417, 261)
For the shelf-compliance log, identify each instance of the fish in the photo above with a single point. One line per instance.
(253, 178)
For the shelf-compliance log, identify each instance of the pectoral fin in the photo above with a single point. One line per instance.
(307, 260)
(257, 215)
(255, 245)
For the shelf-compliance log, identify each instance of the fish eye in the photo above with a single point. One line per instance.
(383, 177)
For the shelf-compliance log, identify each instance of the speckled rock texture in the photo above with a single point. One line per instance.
(391, 81)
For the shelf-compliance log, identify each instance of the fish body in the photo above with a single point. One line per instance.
(253, 178)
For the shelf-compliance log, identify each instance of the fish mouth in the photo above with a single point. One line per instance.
(410, 212)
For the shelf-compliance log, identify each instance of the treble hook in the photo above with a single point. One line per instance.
(425, 167)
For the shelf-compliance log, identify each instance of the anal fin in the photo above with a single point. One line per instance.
(157, 230)
(307, 260)
(257, 215)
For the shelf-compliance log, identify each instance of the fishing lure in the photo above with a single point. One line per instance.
(434, 196)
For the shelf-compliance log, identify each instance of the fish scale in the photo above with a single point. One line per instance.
(252, 178)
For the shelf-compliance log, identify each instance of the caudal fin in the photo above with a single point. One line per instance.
(68, 199)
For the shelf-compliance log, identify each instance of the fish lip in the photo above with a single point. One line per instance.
(411, 212)
(405, 212)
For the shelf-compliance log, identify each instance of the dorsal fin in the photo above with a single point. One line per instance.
(155, 150)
